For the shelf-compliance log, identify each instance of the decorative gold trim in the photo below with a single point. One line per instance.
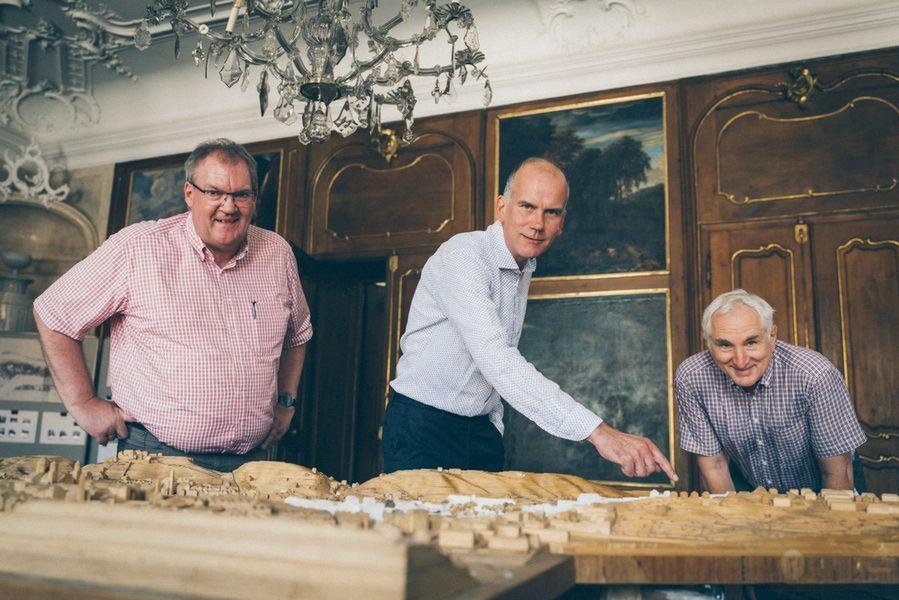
(801, 85)
(870, 432)
(769, 250)
(522, 112)
(599, 276)
(389, 234)
(882, 458)
(841, 252)
(393, 338)
(672, 453)
(810, 193)
(386, 143)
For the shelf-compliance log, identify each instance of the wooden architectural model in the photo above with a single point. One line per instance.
(187, 530)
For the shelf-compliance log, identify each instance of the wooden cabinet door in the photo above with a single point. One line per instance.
(363, 204)
(856, 268)
(771, 259)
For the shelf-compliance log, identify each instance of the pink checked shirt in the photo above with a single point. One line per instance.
(194, 348)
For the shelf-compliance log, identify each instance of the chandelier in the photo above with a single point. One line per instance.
(331, 73)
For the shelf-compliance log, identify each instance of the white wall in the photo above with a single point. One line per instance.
(535, 49)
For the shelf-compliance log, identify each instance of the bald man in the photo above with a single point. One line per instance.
(460, 353)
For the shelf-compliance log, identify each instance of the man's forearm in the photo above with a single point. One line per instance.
(836, 471)
(290, 368)
(715, 474)
(65, 358)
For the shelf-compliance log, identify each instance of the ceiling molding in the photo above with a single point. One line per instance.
(607, 67)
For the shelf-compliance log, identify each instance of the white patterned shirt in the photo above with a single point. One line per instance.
(460, 349)
(799, 410)
(194, 348)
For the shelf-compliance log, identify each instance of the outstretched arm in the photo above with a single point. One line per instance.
(101, 419)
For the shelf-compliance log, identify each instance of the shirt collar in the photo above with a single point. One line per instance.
(193, 238)
(499, 253)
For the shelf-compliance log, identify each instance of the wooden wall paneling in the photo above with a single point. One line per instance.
(758, 150)
(771, 259)
(787, 168)
(361, 204)
(337, 374)
(857, 268)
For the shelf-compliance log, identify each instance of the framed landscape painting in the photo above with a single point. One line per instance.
(610, 352)
(613, 151)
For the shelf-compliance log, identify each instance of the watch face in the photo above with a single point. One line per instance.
(286, 400)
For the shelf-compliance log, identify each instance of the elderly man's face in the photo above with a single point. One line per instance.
(740, 346)
(534, 214)
(221, 225)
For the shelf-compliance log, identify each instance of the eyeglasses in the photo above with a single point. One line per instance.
(241, 198)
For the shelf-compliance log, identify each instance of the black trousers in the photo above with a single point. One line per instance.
(419, 436)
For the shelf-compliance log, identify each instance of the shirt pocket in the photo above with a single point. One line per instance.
(269, 326)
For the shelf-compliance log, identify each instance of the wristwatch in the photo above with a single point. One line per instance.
(286, 400)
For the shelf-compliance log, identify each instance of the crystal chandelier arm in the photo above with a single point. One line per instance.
(361, 67)
(379, 34)
(289, 47)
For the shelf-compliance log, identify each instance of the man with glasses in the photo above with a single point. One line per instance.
(208, 324)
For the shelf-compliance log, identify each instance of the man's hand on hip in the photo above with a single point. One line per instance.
(101, 419)
(637, 455)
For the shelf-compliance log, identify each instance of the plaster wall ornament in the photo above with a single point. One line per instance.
(30, 177)
(47, 50)
(583, 24)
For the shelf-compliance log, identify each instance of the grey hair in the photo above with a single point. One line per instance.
(724, 303)
(230, 150)
(510, 181)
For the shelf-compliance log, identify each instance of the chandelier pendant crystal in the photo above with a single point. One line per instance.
(319, 57)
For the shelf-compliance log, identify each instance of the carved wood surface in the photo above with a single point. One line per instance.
(362, 203)
(184, 536)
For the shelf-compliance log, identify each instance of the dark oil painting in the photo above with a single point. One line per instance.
(610, 353)
(158, 193)
(614, 157)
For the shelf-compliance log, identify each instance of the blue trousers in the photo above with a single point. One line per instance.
(420, 436)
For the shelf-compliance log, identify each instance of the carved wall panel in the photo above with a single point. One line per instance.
(799, 158)
(815, 136)
(767, 260)
(362, 203)
(858, 262)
